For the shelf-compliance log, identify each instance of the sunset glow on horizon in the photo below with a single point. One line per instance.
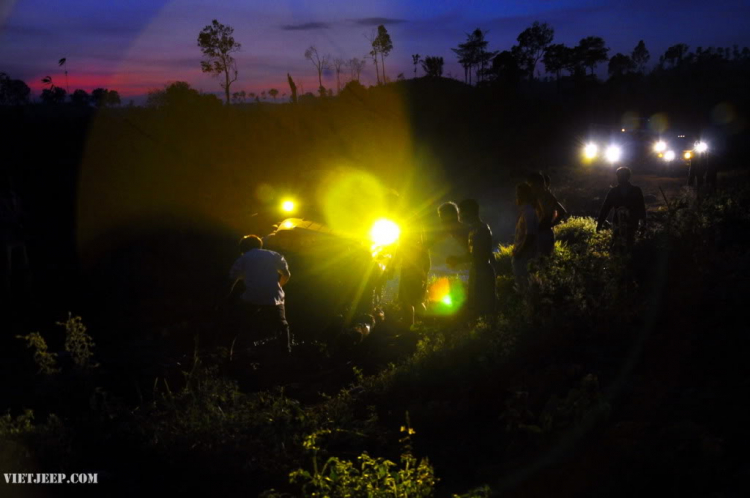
(137, 46)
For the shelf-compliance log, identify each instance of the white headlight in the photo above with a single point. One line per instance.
(613, 153)
(660, 146)
(701, 147)
(669, 156)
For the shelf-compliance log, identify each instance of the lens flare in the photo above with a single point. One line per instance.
(613, 153)
(660, 146)
(384, 232)
(445, 296)
(288, 206)
(669, 156)
(590, 151)
(701, 147)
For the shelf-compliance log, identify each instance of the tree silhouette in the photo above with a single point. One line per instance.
(554, 59)
(484, 56)
(640, 56)
(415, 61)
(292, 88)
(433, 66)
(467, 57)
(180, 95)
(382, 45)
(217, 44)
(356, 66)
(273, 93)
(338, 64)
(592, 51)
(13, 92)
(620, 65)
(373, 53)
(505, 69)
(80, 98)
(531, 45)
(676, 53)
(239, 97)
(53, 95)
(320, 63)
(473, 52)
(101, 97)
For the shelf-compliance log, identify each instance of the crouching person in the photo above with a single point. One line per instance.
(264, 274)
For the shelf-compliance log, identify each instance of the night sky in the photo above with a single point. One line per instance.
(134, 46)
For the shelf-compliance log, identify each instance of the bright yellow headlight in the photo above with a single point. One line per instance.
(590, 151)
(287, 206)
(384, 232)
(688, 155)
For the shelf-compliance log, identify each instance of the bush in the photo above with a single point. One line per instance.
(371, 478)
(504, 261)
(575, 231)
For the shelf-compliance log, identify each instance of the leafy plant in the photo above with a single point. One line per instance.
(78, 343)
(46, 361)
(368, 477)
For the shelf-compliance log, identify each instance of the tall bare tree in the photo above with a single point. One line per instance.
(217, 44)
(321, 63)
(382, 45)
(415, 60)
(356, 65)
(338, 64)
(372, 37)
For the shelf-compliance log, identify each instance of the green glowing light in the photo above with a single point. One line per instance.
(447, 300)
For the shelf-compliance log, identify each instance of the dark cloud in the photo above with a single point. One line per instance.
(21, 30)
(376, 21)
(308, 26)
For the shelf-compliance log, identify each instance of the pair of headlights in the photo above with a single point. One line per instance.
(612, 154)
(660, 147)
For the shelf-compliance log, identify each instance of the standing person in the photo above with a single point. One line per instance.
(414, 259)
(451, 226)
(482, 297)
(627, 201)
(525, 244)
(549, 212)
(264, 274)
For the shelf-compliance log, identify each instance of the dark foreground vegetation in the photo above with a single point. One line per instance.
(613, 376)
(618, 376)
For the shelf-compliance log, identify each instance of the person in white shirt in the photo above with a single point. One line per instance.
(527, 231)
(264, 273)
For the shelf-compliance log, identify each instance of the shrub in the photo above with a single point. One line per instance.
(371, 477)
(46, 361)
(504, 260)
(575, 231)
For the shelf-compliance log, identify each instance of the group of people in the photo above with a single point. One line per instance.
(265, 272)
